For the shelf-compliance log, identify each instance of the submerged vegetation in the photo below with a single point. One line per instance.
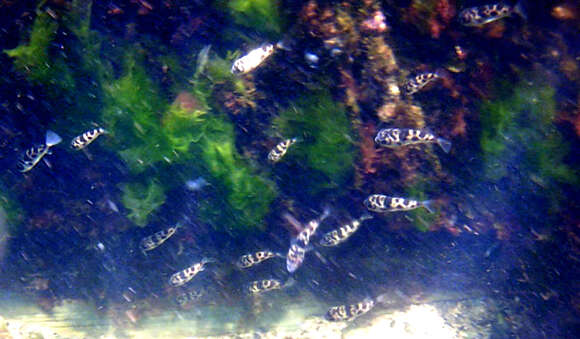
(338, 78)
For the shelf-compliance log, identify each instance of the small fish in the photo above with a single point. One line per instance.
(381, 203)
(261, 286)
(397, 137)
(252, 60)
(182, 277)
(280, 150)
(249, 260)
(340, 235)
(481, 15)
(295, 257)
(153, 241)
(32, 156)
(86, 138)
(349, 312)
(416, 83)
(188, 297)
(303, 238)
(300, 244)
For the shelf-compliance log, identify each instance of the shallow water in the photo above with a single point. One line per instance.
(187, 144)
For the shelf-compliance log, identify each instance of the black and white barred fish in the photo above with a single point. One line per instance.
(340, 235)
(481, 15)
(300, 244)
(188, 297)
(86, 138)
(33, 155)
(382, 203)
(251, 259)
(280, 149)
(349, 312)
(397, 137)
(184, 276)
(261, 286)
(153, 241)
(253, 59)
(416, 83)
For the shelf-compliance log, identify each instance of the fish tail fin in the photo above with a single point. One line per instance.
(366, 216)
(428, 204)
(208, 260)
(520, 9)
(280, 255)
(104, 131)
(52, 138)
(382, 299)
(444, 144)
(289, 282)
(325, 213)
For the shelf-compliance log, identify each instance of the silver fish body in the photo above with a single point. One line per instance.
(153, 241)
(86, 138)
(382, 203)
(33, 155)
(349, 312)
(251, 259)
(280, 149)
(253, 59)
(481, 15)
(295, 257)
(397, 137)
(184, 276)
(340, 235)
(300, 244)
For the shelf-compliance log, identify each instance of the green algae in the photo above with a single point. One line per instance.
(522, 123)
(11, 214)
(326, 144)
(261, 15)
(142, 200)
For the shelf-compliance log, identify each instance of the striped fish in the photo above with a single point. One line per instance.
(153, 241)
(33, 155)
(382, 203)
(280, 149)
(349, 312)
(184, 276)
(340, 235)
(83, 140)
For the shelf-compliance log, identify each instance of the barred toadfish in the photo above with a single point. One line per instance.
(382, 203)
(300, 244)
(249, 260)
(397, 137)
(481, 15)
(340, 235)
(416, 83)
(253, 59)
(184, 276)
(261, 286)
(86, 138)
(349, 312)
(153, 241)
(32, 156)
(280, 150)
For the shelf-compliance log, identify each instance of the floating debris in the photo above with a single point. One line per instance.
(33, 155)
(83, 140)
(397, 137)
(252, 60)
(251, 259)
(340, 235)
(153, 241)
(382, 203)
